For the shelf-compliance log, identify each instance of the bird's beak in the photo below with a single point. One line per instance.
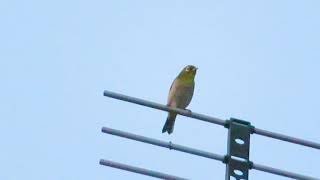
(196, 69)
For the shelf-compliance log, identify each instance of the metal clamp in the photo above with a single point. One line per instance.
(237, 160)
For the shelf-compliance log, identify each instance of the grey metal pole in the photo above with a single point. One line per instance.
(281, 172)
(168, 145)
(287, 138)
(164, 108)
(139, 170)
(200, 153)
(208, 119)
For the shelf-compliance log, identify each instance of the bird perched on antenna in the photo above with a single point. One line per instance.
(180, 94)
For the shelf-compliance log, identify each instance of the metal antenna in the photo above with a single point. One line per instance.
(237, 159)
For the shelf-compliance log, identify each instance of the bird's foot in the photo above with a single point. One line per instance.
(189, 111)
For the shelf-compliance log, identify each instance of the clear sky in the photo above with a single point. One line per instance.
(258, 61)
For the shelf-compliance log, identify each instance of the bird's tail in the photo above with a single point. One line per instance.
(169, 125)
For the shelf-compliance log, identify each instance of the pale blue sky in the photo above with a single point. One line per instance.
(258, 61)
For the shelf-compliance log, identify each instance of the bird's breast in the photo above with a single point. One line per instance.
(183, 96)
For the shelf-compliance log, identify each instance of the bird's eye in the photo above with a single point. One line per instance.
(188, 68)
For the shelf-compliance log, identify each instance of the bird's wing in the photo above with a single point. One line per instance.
(172, 92)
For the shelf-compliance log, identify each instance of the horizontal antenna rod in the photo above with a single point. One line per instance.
(164, 144)
(286, 138)
(208, 119)
(164, 108)
(280, 172)
(199, 152)
(139, 170)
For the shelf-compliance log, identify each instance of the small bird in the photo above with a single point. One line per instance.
(180, 94)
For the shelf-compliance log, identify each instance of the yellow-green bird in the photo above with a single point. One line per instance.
(180, 94)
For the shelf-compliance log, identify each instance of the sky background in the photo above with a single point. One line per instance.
(257, 60)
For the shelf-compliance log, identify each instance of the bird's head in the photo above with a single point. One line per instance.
(188, 72)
